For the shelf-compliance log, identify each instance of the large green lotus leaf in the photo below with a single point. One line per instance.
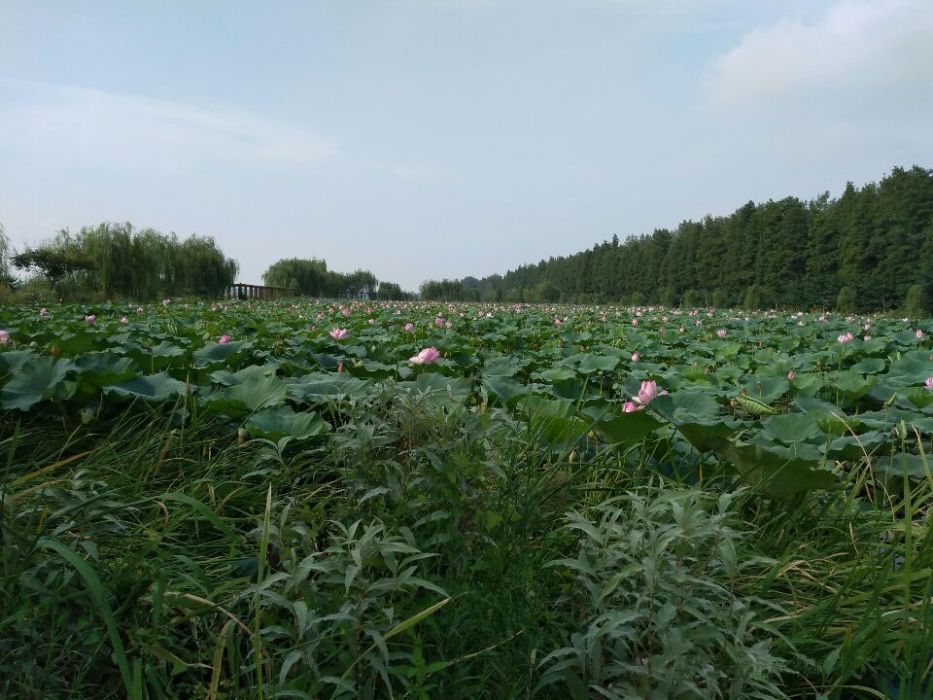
(792, 428)
(504, 366)
(687, 407)
(71, 343)
(225, 377)
(506, 390)
(831, 419)
(904, 338)
(572, 389)
(158, 357)
(766, 388)
(904, 464)
(921, 397)
(913, 367)
(627, 428)
(852, 385)
(435, 384)
(778, 471)
(890, 417)
(319, 387)
(153, 387)
(327, 362)
(711, 434)
(587, 364)
(371, 368)
(165, 349)
(216, 353)
(281, 421)
(727, 349)
(12, 361)
(869, 365)
(808, 383)
(852, 447)
(552, 419)
(257, 391)
(43, 378)
(99, 369)
(555, 374)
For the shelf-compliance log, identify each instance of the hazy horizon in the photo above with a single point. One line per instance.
(442, 138)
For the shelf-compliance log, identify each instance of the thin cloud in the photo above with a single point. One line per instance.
(67, 123)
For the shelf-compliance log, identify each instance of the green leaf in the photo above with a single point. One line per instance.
(628, 428)
(553, 419)
(792, 428)
(40, 379)
(282, 421)
(778, 471)
(587, 364)
(12, 361)
(99, 369)
(686, 407)
(216, 353)
(320, 387)
(505, 389)
(153, 387)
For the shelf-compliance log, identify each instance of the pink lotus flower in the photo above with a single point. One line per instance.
(557, 321)
(448, 324)
(919, 334)
(634, 321)
(648, 392)
(345, 312)
(409, 326)
(339, 333)
(845, 338)
(630, 407)
(371, 321)
(791, 375)
(635, 357)
(929, 383)
(721, 332)
(340, 368)
(425, 357)
(438, 322)
(4, 337)
(91, 318)
(224, 339)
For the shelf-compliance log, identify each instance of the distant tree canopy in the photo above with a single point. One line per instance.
(310, 277)
(5, 277)
(116, 261)
(876, 241)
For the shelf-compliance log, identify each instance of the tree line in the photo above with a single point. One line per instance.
(113, 260)
(870, 248)
(310, 277)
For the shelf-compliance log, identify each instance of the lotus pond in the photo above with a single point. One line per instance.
(303, 499)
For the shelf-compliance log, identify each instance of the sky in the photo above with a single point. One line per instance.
(427, 139)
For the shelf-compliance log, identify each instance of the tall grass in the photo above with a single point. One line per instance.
(425, 550)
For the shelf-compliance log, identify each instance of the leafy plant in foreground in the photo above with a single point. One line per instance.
(658, 612)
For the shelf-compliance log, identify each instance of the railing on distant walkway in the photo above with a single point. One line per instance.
(255, 291)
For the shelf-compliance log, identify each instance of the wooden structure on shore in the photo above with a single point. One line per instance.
(255, 291)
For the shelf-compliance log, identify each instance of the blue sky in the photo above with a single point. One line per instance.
(440, 138)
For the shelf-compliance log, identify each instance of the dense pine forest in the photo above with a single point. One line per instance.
(869, 249)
